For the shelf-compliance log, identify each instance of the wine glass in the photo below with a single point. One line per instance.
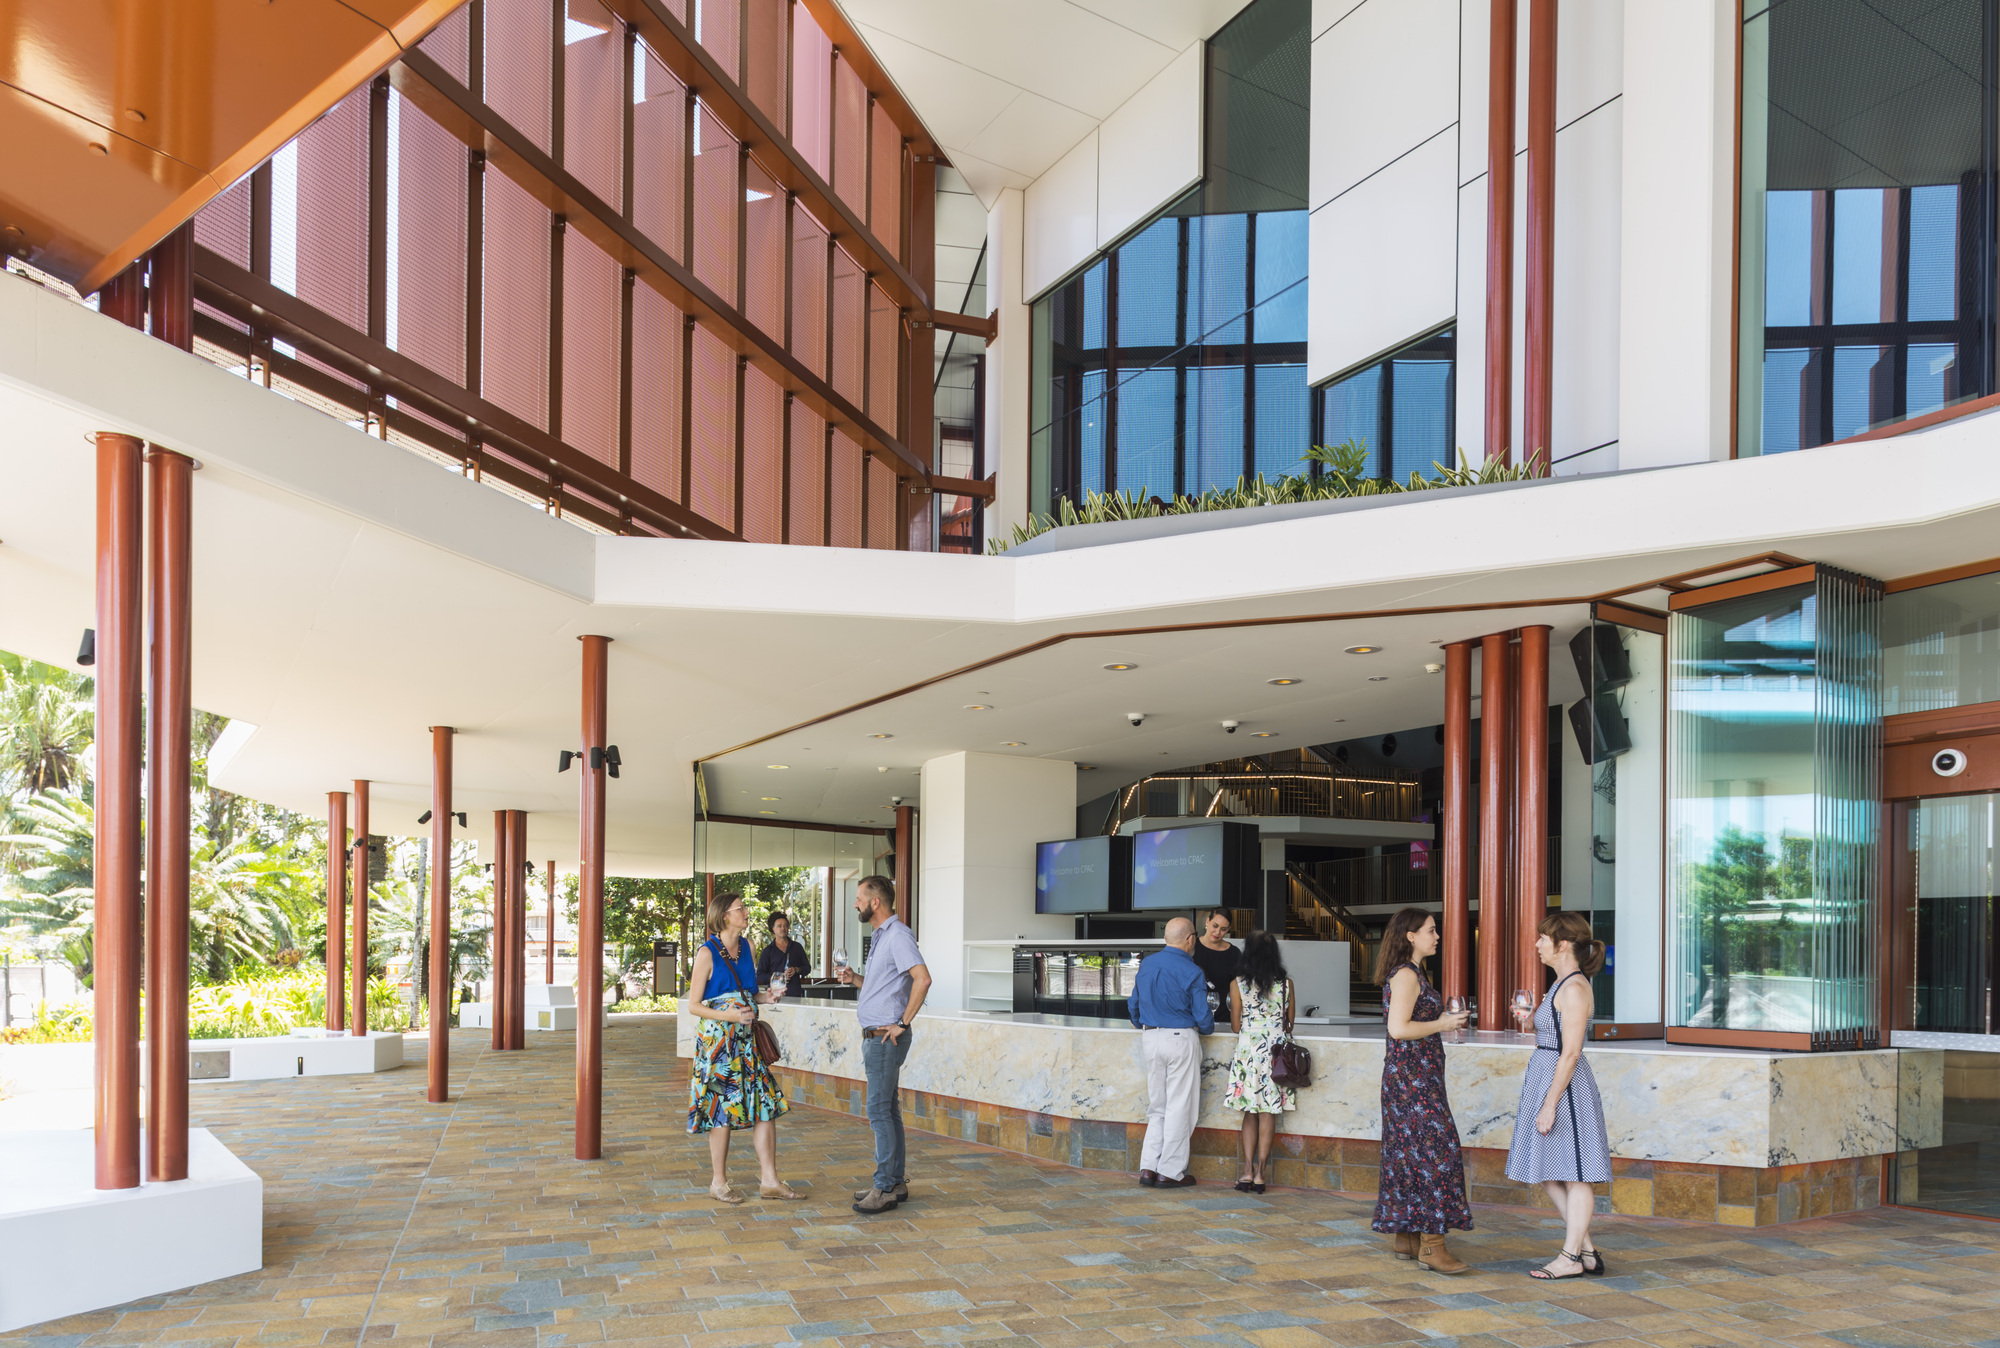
(1456, 1006)
(840, 964)
(777, 985)
(1524, 1009)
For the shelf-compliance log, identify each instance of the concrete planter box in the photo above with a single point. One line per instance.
(302, 1053)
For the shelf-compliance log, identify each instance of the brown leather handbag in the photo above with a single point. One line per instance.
(762, 1036)
(1291, 1063)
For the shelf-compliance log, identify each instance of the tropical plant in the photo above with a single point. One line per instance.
(1344, 475)
(66, 1024)
(51, 900)
(46, 720)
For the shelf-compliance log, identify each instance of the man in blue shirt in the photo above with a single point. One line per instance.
(1169, 1003)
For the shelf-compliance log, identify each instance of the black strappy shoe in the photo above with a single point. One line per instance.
(1543, 1275)
(1593, 1264)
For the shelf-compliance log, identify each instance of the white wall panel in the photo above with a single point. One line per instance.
(1384, 80)
(1060, 224)
(1590, 39)
(1384, 260)
(1470, 386)
(1587, 272)
(1678, 225)
(1475, 21)
(1326, 13)
(1149, 151)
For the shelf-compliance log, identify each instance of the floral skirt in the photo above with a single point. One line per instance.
(729, 1086)
(1251, 1090)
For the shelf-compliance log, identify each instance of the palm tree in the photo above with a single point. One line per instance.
(46, 721)
(53, 899)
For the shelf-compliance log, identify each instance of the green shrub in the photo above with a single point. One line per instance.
(639, 1004)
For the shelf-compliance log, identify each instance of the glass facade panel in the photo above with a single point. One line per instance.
(1774, 772)
(1941, 646)
(1175, 363)
(1866, 170)
(1400, 409)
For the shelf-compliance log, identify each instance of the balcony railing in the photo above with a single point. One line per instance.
(1246, 789)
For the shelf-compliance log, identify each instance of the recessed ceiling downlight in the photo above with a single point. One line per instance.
(777, 767)
(1363, 650)
(1283, 683)
(1263, 734)
(1119, 669)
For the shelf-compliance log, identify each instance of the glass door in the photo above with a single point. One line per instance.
(1952, 869)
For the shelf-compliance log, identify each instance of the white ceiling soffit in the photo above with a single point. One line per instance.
(1008, 88)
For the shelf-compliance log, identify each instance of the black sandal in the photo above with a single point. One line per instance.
(1243, 1186)
(1543, 1275)
(1593, 1264)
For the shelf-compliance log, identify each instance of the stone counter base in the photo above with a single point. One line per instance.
(1729, 1195)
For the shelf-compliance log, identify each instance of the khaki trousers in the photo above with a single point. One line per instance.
(1173, 1099)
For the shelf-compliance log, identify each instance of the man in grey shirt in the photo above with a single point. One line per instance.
(892, 988)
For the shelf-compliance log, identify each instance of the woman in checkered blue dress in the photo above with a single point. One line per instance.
(1559, 1135)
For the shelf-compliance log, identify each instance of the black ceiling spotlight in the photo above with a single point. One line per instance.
(461, 818)
(1388, 746)
(611, 759)
(568, 756)
(1340, 752)
(86, 654)
(424, 818)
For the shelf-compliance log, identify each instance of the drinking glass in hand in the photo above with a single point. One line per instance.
(777, 986)
(1524, 1009)
(840, 965)
(1457, 1006)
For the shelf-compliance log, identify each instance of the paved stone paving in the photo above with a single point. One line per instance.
(467, 1223)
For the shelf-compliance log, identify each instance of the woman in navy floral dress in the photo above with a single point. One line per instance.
(1423, 1175)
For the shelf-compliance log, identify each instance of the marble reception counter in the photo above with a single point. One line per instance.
(1722, 1134)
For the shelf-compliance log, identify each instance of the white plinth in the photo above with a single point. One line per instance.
(560, 1015)
(550, 994)
(475, 1016)
(302, 1053)
(67, 1248)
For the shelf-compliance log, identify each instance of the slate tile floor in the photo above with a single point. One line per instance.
(391, 1220)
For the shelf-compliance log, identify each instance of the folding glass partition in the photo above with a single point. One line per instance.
(1774, 793)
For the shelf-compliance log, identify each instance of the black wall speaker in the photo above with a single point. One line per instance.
(1601, 662)
(1601, 730)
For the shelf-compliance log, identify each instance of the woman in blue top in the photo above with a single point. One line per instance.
(730, 1087)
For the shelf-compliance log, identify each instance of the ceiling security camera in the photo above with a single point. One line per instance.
(1229, 727)
(895, 800)
(1948, 762)
(1135, 717)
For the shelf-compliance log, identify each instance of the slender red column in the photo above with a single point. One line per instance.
(496, 1005)
(123, 297)
(1493, 790)
(1537, 375)
(517, 930)
(1531, 848)
(590, 908)
(906, 849)
(1500, 232)
(357, 973)
(549, 931)
(439, 1064)
(1509, 807)
(336, 910)
(169, 728)
(171, 297)
(1457, 851)
(116, 942)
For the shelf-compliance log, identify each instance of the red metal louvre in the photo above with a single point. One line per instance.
(812, 91)
(593, 98)
(850, 137)
(882, 488)
(712, 489)
(808, 473)
(763, 457)
(764, 251)
(718, 27)
(885, 183)
(809, 264)
(659, 153)
(885, 329)
(520, 40)
(332, 212)
(657, 373)
(224, 224)
(844, 491)
(717, 198)
(849, 326)
(766, 78)
(592, 314)
(448, 43)
(514, 334)
(428, 264)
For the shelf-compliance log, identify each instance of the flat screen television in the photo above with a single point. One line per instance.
(1084, 875)
(1200, 866)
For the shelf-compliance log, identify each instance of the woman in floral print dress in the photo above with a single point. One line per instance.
(729, 1086)
(1260, 1012)
(1422, 1191)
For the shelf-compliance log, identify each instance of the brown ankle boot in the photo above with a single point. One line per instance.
(1437, 1259)
(1403, 1245)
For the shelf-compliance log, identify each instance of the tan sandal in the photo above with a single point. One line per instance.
(783, 1190)
(726, 1194)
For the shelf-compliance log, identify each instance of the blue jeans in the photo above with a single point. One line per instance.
(883, 1061)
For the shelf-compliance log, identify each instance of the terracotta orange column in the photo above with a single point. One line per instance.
(590, 908)
(1494, 787)
(169, 729)
(1500, 232)
(116, 941)
(906, 849)
(517, 929)
(336, 910)
(496, 1003)
(439, 1064)
(1531, 829)
(1457, 851)
(1538, 361)
(357, 973)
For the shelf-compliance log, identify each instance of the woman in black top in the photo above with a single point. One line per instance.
(783, 954)
(1216, 957)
